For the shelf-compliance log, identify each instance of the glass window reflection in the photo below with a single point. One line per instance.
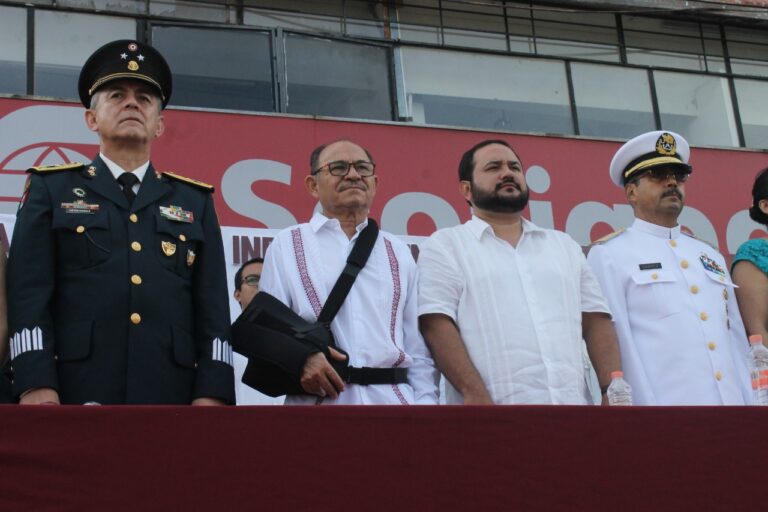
(698, 107)
(333, 78)
(202, 77)
(486, 91)
(612, 101)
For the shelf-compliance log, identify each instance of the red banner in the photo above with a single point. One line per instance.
(258, 164)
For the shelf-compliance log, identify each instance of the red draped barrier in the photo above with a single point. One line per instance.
(380, 458)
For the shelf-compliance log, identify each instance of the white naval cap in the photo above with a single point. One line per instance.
(647, 151)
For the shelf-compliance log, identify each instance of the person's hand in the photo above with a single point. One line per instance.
(478, 397)
(208, 401)
(40, 396)
(318, 376)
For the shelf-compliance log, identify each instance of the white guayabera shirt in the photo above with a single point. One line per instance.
(377, 324)
(518, 309)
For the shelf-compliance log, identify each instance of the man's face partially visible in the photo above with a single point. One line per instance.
(498, 184)
(342, 194)
(126, 111)
(250, 285)
(658, 196)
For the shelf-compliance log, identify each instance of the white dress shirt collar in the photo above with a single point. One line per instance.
(319, 220)
(478, 226)
(656, 230)
(116, 170)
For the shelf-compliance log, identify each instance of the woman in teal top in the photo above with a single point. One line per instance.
(750, 266)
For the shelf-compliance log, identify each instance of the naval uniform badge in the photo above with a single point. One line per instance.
(711, 265)
(169, 248)
(91, 171)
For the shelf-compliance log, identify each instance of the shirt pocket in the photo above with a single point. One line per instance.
(655, 294)
(83, 240)
(178, 244)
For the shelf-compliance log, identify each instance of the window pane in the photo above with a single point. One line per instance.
(13, 50)
(485, 91)
(333, 78)
(202, 78)
(193, 9)
(419, 21)
(612, 101)
(753, 109)
(571, 34)
(126, 6)
(671, 43)
(748, 50)
(63, 42)
(291, 20)
(474, 25)
(698, 107)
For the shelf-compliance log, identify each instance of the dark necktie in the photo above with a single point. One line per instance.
(127, 180)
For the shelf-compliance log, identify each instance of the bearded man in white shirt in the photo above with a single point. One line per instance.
(377, 325)
(504, 304)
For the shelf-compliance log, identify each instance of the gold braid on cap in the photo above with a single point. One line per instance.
(114, 76)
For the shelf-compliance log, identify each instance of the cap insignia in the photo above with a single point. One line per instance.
(666, 145)
(133, 66)
(133, 47)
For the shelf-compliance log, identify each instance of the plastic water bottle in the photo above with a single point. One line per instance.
(619, 392)
(758, 369)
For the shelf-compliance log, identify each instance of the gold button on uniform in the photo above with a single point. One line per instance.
(711, 345)
(136, 318)
(703, 315)
(694, 289)
(684, 263)
(725, 294)
(719, 375)
(722, 279)
(673, 243)
(182, 237)
(80, 229)
(136, 246)
(133, 218)
(654, 276)
(136, 279)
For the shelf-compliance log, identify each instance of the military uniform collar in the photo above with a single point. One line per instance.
(116, 170)
(656, 230)
(478, 226)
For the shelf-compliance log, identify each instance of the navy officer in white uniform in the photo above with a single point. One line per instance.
(681, 337)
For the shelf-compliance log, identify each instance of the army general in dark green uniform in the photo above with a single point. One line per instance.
(116, 277)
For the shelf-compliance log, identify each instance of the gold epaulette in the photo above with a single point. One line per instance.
(41, 169)
(183, 179)
(609, 236)
(700, 240)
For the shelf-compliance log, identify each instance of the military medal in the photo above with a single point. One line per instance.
(80, 206)
(169, 248)
(190, 257)
(78, 192)
(176, 213)
(711, 265)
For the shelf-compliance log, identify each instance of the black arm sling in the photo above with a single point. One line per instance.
(277, 341)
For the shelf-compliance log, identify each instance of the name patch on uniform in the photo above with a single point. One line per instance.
(711, 265)
(649, 266)
(176, 213)
(80, 206)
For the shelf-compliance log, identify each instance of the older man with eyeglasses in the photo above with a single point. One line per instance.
(681, 338)
(377, 323)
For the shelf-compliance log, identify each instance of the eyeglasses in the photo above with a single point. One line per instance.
(251, 280)
(662, 175)
(341, 168)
